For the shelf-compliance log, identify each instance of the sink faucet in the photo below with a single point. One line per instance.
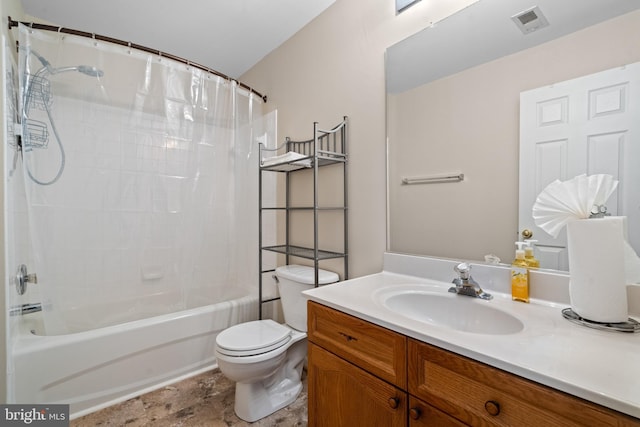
(465, 285)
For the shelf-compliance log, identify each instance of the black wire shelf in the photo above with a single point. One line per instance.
(303, 252)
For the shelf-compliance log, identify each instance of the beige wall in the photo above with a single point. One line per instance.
(335, 67)
(331, 68)
(468, 122)
(11, 8)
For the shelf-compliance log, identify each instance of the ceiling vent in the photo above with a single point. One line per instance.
(530, 20)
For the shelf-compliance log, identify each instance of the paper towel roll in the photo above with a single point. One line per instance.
(598, 289)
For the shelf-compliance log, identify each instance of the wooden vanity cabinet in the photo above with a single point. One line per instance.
(357, 375)
(357, 371)
(481, 395)
(377, 350)
(341, 394)
(360, 374)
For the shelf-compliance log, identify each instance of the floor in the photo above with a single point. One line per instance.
(205, 400)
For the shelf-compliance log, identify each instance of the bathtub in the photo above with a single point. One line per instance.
(94, 369)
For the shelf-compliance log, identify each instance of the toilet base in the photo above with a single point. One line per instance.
(270, 382)
(254, 401)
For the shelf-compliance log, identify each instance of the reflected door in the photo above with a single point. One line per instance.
(589, 125)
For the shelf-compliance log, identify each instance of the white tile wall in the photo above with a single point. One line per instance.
(138, 207)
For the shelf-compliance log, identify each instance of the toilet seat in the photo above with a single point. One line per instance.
(252, 338)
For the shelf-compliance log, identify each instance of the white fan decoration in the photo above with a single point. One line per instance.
(564, 201)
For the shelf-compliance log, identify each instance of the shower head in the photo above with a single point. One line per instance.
(90, 71)
(84, 69)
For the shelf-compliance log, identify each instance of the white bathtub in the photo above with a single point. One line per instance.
(94, 369)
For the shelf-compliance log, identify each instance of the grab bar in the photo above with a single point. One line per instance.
(433, 179)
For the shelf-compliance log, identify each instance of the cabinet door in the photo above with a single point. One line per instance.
(422, 414)
(481, 395)
(341, 394)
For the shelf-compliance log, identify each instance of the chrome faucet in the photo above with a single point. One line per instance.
(465, 285)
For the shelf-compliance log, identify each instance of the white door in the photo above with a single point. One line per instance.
(589, 125)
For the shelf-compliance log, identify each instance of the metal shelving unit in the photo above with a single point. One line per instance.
(326, 148)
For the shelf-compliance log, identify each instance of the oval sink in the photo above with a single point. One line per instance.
(457, 312)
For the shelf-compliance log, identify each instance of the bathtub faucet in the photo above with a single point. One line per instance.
(19, 310)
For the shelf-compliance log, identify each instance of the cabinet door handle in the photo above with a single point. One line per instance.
(394, 402)
(492, 407)
(415, 413)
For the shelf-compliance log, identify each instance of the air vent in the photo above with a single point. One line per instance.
(530, 20)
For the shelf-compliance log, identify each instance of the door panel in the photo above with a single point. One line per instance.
(589, 125)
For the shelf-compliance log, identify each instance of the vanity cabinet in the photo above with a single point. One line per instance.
(480, 395)
(341, 394)
(357, 375)
(363, 374)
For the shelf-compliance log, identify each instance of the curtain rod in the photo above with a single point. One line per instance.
(94, 36)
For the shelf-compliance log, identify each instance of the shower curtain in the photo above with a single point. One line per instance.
(141, 181)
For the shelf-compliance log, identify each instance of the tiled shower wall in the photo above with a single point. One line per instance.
(139, 208)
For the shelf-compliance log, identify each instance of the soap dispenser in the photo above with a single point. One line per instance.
(520, 276)
(529, 256)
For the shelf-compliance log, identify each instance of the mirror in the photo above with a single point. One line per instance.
(453, 110)
(402, 5)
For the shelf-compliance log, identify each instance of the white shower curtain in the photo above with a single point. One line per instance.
(141, 181)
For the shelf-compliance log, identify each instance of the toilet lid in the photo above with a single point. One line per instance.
(250, 338)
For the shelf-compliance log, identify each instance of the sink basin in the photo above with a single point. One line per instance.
(453, 311)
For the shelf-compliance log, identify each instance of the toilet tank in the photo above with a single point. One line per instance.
(292, 281)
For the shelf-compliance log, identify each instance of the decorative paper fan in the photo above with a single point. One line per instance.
(564, 201)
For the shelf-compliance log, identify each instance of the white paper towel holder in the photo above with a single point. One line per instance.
(630, 325)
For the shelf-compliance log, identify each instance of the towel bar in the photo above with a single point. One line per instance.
(433, 179)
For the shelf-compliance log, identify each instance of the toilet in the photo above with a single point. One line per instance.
(265, 358)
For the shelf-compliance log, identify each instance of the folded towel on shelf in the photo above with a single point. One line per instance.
(290, 156)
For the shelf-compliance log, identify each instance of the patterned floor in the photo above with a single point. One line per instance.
(205, 400)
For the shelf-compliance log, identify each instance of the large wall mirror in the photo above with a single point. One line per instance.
(453, 114)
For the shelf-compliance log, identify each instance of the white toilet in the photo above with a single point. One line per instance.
(265, 358)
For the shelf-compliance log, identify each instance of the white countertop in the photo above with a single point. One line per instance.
(599, 366)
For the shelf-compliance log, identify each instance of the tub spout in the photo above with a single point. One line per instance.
(19, 310)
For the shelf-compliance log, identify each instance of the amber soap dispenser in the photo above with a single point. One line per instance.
(529, 256)
(520, 276)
